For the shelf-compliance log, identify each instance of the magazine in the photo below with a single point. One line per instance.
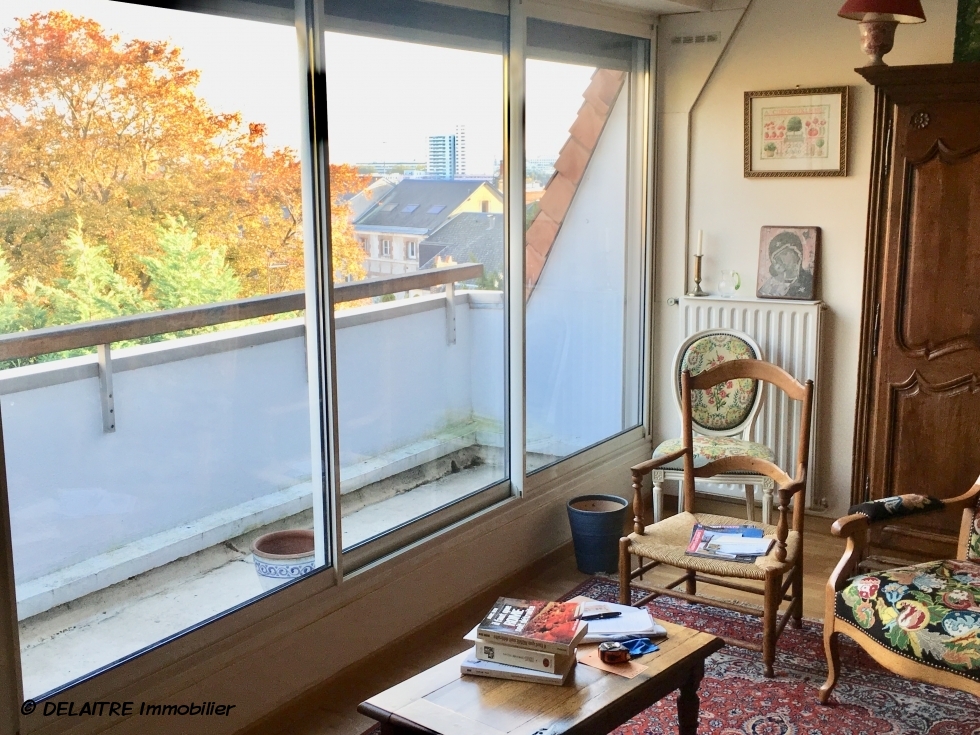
(731, 543)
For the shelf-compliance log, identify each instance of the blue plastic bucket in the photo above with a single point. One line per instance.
(597, 525)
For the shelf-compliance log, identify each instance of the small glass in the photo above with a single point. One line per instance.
(729, 283)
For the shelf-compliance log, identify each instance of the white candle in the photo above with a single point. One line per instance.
(700, 242)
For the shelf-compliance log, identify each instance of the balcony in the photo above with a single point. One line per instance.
(139, 476)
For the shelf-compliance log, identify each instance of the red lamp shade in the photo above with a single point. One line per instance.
(899, 11)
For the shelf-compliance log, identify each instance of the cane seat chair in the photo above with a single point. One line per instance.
(723, 418)
(664, 543)
(921, 621)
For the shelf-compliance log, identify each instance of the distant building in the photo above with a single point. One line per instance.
(469, 237)
(447, 155)
(392, 229)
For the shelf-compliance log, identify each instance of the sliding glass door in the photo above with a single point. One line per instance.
(259, 320)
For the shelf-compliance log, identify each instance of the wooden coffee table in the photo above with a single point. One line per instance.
(442, 701)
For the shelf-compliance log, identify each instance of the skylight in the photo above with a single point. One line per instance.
(436, 209)
(409, 208)
(389, 208)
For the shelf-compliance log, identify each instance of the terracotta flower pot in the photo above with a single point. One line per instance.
(283, 555)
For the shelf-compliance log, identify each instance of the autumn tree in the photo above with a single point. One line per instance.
(112, 133)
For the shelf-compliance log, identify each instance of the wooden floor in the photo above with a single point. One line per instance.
(332, 707)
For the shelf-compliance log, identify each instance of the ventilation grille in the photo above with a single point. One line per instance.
(698, 38)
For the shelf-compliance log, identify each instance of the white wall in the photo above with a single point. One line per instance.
(780, 44)
(575, 316)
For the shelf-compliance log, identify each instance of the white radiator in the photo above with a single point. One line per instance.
(788, 332)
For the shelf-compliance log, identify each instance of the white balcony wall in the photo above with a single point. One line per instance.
(202, 424)
(216, 427)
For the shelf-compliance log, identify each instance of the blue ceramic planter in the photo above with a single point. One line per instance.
(597, 525)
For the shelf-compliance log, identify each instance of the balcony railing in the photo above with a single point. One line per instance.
(103, 333)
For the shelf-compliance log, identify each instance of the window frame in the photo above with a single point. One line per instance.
(330, 588)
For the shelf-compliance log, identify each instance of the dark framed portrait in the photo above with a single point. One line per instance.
(788, 263)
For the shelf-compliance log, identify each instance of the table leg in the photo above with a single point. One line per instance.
(688, 703)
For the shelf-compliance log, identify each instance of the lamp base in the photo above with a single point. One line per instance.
(877, 39)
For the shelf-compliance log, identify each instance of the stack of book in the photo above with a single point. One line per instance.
(527, 640)
(729, 543)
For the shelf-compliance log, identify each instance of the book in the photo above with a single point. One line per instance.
(731, 543)
(633, 622)
(475, 667)
(537, 625)
(524, 658)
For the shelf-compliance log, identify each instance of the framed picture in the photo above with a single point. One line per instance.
(796, 132)
(788, 263)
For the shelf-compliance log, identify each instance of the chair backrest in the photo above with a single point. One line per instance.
(973, 543)
(724, 410)
(761, 372)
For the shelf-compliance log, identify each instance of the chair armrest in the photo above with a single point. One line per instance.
(645, 468)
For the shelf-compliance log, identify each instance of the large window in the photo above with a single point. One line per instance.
(255, 333)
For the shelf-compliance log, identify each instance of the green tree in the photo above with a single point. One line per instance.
(794, 125)
(188, 272)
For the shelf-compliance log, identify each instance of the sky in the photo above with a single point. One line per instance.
(384, 97)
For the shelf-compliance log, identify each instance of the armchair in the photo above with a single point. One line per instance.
(920, 621)
(665, 542)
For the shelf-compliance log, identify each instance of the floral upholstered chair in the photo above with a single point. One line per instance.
(723, 418)
(920, 621)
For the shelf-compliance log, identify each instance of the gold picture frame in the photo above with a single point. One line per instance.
(796, 132)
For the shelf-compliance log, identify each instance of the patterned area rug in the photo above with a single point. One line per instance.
(736, 699)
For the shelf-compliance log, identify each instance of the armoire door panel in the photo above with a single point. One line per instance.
(955, 124)
(924, 458)
(926, 453)
(939, 283)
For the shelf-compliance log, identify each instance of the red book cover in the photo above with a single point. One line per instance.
(537, 625)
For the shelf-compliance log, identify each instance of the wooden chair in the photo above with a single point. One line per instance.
(922, 621)
(722, 423)
(665, 542)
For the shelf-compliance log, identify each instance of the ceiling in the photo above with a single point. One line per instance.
(660, 7)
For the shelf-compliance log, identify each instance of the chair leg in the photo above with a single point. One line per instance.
(625, 561)
(831, 646)
(691, 583)
(750, 502)
(797, 619)
(658, 501)
(770, 614)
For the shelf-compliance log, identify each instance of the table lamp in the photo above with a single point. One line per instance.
(879, 19)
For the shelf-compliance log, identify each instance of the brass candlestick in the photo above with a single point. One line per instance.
(697, 277)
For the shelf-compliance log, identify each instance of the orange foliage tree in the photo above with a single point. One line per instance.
(112, 133)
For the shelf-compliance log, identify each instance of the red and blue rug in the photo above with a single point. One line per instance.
(736, 699)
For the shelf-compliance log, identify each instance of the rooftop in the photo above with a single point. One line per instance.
(421, 204)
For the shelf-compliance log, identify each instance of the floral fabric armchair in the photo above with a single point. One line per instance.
(920, 621)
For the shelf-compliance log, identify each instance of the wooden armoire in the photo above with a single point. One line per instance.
(917, 424)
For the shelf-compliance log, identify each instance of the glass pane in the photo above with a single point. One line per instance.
(583, 303)
(415, 150)
(150, 163)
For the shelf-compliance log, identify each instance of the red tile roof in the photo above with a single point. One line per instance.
(572, 162)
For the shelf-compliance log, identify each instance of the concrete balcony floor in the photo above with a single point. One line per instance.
(81, 636)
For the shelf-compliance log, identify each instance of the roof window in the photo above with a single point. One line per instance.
(436, 209)
(409, 208)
